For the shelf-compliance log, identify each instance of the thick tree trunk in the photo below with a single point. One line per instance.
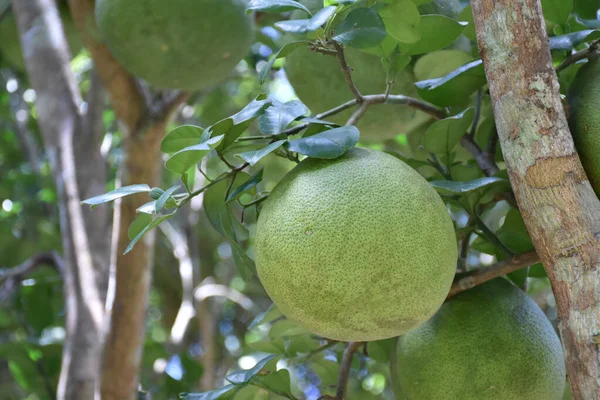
(58, 100)
(559, 207)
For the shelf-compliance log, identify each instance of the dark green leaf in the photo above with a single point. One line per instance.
(274, 6)
(277, 117)
(362, 28)
(570, 40)
(116, 194)
(277, 382)
(451, 188)
(301, 26)
(444, 135)
(249, 184)
(245, 376)
(148, 227)
(284, 51)
(454, 87)
(557, 11)
(181, 137)
(219, 394)
(138, 225)
(437, 32)
(162, 200)
(253, 110)
(402, 20)
(329, 144)
(186, 158)
(327, 370)
(466, 15)
(252, 157)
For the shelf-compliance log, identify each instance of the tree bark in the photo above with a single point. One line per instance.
(143, 127)
(58, 103)
(560, 209)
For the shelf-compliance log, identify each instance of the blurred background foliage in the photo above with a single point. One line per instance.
(234, 326)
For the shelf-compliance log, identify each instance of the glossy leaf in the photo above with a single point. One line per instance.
(569, 41)
(329, 144)
(252, 157)
(436, 32)
(245, 186)
(138, 224)
(300, 26)
(219, 394)
(451, 188)
(275, 6)
(147, 229)
(162, 200)
(253, 110)
(402, 20)
(277, 117)
(181, 137)
(186, 158)
(443, 136)
(245, 376)
(116, 194)
(362, 28)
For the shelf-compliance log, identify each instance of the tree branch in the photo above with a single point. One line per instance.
(19, 271)
(347, 72)
(580, 55)
(558, 204)
(345, 369)
(499, 269)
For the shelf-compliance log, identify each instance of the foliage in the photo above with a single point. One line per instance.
(230, 147)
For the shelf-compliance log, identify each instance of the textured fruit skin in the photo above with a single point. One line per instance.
(583, 99)
(319, 83)
(10, 43)
(185, 44)
(492, 342)
(357, 248)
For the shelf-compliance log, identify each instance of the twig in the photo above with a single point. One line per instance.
(478, 101)
(358, 114)
(580, 55)
(491, 236)
(484, 159)
(347, 72)
(494, 271)
(345, 369)
(50, 258)
(322, 50)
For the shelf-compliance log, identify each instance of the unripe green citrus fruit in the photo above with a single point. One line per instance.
(185, 44)
(357, 248)
(491, 342)
(584, 118)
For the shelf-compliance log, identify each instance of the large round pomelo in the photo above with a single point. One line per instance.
(185, 44)
(357, 248)
(492, 342)
(584, 118)
(10, 42)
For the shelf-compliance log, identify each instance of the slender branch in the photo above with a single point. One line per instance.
(494, 271)
(580, 55)
(491, 236)
(347, 72)
(49, 258)
(345, 369)
(322, 50)
(358, 114)
(484, 159)
(478, 101)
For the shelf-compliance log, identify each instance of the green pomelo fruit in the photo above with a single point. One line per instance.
(583, 99)
(320, 84)
(10, 42)
(185, 44)
(492, 342)
(358, 248)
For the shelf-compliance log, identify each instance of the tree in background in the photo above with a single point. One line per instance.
(163, 85)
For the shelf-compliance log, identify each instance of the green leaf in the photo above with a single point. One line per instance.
(219, 394)
(147, 229)
(440, 63)
(452, 188)
(253, 110)
(277, 382)
(569, 41)
(138, 224)
(557, 11)
(181, 137)
(270, 315)
(274, 6)
(249, 184)
(252, 157)
(466, 15)
(284, 51)
(116, 194)
(186, 158)
(222, 219)
(301, 26)
(454, 87)
(437, 32)
(443, 135)
(277, 117)
(329, 144)
(162, 200)
(327, 370)
(245, 376)
(286, 328)
(402, 20)
(362, 28)
(148, 208)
